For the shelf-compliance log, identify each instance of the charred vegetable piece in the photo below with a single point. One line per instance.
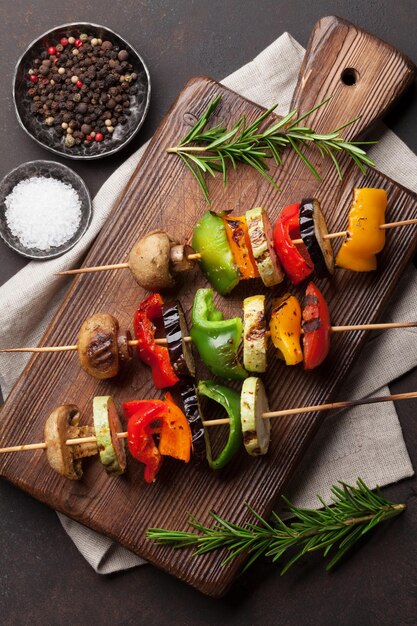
(63, 424)
(149, 261)
(98, 350)
(175, 437)
(365, 237)
(157, 357)
(260, 235)
(312, 230)
(295, 259)
(180, 352)
(285, 328)
(150, 418)
(254, 334)
(216, 339)
(316, 327)
(229, 399)
(194, 416)
(107, 425)
(256, 430)
(217, 263)
(144, 422)
(238, 238)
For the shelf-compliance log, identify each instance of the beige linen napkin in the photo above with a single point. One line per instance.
(366, 441)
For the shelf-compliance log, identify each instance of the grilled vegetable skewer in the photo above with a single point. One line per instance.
(231, 248)
(66, 443)
(102, 349)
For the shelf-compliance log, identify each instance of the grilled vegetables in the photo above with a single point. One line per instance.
(254, 334)
(316, 327)
(98, 349)
(365, 237)
(107, 425)
(180, 352)
(260, 235)
(255, 429)
(194, 417)
(63, 424)
(216, 339)
(312, 230)
(217, 263)
(294, 258)
(229, 399)
(285, 328)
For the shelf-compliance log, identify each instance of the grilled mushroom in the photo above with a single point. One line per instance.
(62, 424)
(98, 348)
(156, 258)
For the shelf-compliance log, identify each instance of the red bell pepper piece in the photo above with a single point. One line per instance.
(154, 355)
(316, 326)
(295, 259)
(147, 418)
(141, 426)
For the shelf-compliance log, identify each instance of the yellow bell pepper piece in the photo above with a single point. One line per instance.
(365, 237)
(285, 328)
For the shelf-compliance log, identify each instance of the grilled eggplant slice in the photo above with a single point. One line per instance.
(180, 352)
(254, 334)
(312, 229)
(194, 417)
(256, 430)
(261, 239)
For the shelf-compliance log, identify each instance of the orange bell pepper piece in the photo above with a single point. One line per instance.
(239, 242)
(175, 438)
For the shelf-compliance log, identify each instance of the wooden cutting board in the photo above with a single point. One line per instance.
(162, 194)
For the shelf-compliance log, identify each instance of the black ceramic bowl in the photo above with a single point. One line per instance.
(48, 137)
(48, 169)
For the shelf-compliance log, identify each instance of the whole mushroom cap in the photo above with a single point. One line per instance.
(60, 426)
(149, 261)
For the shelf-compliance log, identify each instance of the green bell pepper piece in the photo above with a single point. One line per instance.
(230, 400)
(217, 264)
(216, 339)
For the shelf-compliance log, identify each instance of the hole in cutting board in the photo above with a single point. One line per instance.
(349, 76)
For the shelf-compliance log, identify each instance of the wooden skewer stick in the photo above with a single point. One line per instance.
(196, 255)
(343, 233)
(162, 341)
(218, 422)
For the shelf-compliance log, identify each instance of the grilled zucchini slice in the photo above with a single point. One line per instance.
(254, 334)
(256, 430)
(260, 235)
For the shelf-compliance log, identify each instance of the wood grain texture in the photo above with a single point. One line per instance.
(161, 194)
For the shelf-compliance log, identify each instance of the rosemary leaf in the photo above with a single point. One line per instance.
(355, 511)
(205, 150)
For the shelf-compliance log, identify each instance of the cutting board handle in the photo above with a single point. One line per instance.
(362, 74)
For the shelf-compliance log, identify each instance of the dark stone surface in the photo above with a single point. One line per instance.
(43, 579)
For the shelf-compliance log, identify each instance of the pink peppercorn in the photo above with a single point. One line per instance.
(99, 137)
(78, 43)
(64, 41)
(51, 50)
(33, 78)
(78, 84)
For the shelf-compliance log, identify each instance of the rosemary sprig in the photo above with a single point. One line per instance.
(254, 144)
(356, 510)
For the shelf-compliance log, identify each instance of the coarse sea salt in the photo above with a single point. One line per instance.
(43, 212)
